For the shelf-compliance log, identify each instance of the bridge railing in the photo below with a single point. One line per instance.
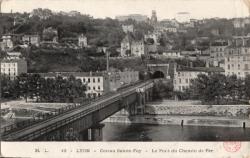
(40, 117)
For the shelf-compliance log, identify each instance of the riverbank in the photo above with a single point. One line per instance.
(187, 113)
(179, 120)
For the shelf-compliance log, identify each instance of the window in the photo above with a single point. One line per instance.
(239, 66)
(84, 80)
(93, 87)
(228, 66)
(246, 66)
(93, 80)
(88, 80)
(179, 80)
(89, 88)
(186, 80)
(98, 80)
(99, 87)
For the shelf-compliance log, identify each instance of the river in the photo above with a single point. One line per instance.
(135, 132)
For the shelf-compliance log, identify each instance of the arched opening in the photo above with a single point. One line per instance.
(158, 74)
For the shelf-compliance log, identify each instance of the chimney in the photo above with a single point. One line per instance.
(191, 64)
(175, 67)
(207, 64)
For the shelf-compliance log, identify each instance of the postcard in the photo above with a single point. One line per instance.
(125, 78)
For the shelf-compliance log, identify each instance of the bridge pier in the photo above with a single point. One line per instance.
(141, 101)
(95, 133)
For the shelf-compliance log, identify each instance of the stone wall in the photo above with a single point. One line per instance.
(173, 108)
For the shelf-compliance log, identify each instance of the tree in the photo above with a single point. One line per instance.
(8, 88)
(162, 90)
(234, 87)
(22, 86)
(247, 86)
(209, 88)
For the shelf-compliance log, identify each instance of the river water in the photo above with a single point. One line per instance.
(145, 132)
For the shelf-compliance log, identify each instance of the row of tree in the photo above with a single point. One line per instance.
(43, 90)
(219, 89)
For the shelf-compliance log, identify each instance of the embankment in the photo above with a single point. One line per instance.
(188, 113)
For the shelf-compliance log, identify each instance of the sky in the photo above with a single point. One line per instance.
(166, 9)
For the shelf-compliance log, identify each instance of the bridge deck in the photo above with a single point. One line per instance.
(68, 116)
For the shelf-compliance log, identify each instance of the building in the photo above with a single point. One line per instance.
(183, 76)
(126, 45)
(237, 57)
(155, 36)
(138, 48)
(238, 65)
(102, 49)
(74, 13)
(50, 34)
(7, 42)
(13, 67)
(128, 28)
(173, 54)
(14, 55)
(217, 51)
(136, 17)
(118, 79)
(153, 19)
(94, 81)
(2, 46)
(31, 40)
(170, 29)
(99, 83)
(82, 41)
(151, 48)
(239, 23)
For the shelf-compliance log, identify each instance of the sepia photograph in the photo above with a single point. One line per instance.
(125, 71)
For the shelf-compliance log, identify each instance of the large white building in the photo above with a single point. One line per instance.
(13, 67)
(98, 83)
(238, 65)
(218, 52)
(183, 76)
(237, 59)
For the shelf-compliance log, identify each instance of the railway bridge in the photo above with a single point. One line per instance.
(83, 121)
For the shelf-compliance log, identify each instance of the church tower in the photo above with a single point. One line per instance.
(153, 17)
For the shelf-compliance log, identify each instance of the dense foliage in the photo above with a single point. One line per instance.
(41, 89)
(219, 89)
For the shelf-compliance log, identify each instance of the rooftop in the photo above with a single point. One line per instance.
(68, 74)
(201, 69)
(12, 60)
